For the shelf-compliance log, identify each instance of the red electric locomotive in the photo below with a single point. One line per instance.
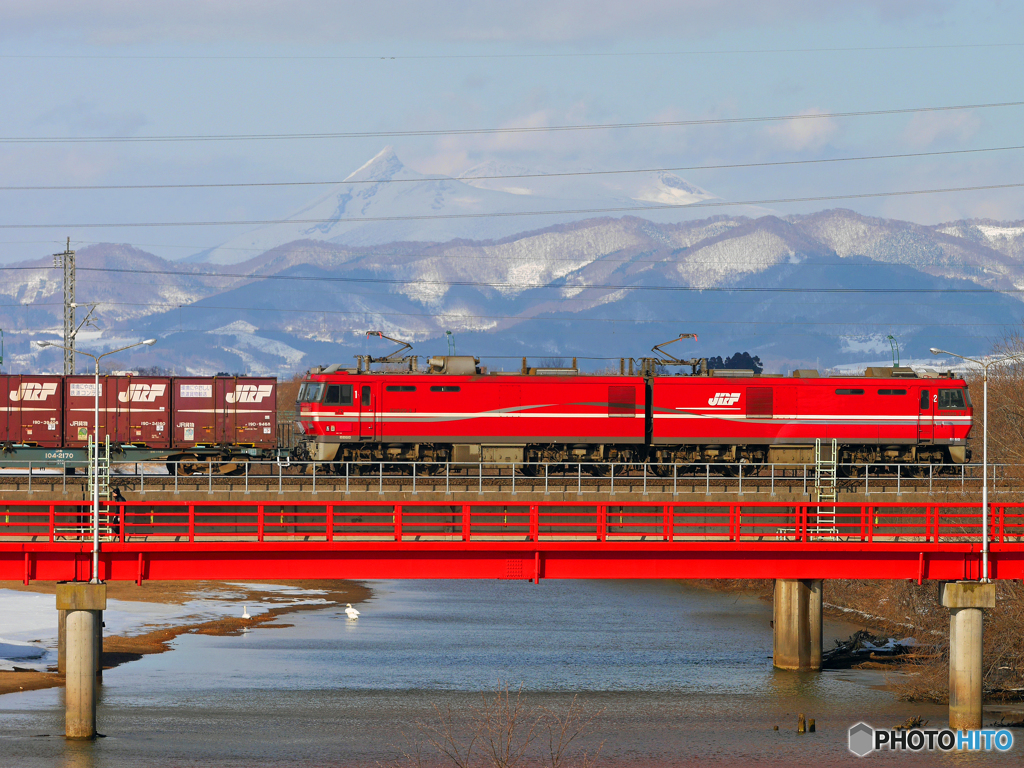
(455, 411)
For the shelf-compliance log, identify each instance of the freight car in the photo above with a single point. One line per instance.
(456, 412)
(193, 423)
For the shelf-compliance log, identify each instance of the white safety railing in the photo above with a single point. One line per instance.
(743, 479)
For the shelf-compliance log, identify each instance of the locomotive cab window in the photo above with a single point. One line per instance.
(849, 391)
(338, 394)
(926, 402)
(366, 395)
(311, 392)
(951, 400)
(444, 389)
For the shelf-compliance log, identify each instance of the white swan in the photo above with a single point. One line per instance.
(245, 612)
(351, 612)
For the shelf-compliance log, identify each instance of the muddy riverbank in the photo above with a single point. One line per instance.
(268, 601)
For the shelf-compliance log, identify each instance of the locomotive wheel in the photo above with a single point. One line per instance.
(529, 470)
(662, 470)
(599, 470)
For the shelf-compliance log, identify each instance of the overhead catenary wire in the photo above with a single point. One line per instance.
(457, 317)
(721, 299)
(506, 214)
(534, 55)
(550, 285)
(501, 130)
(559, 174)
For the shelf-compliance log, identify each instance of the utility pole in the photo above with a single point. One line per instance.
(67, 260)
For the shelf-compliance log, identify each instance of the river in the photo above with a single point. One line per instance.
(672, 675)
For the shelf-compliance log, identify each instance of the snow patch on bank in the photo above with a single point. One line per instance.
(28, 620)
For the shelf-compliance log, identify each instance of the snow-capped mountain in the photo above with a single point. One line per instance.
(604, 287)
(652, 187)
(384, 201)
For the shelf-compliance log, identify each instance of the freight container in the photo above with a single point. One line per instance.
(30, 410)
(229, 410)
(134, 410)
(143, 410)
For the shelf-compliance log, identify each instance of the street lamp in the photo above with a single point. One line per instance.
(984, 446)
(95, 468)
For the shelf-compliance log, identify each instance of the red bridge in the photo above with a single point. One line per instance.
(430, 539)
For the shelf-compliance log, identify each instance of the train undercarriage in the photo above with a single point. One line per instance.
(662, 460)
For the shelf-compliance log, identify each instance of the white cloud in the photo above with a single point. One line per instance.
(937, 127)
(803, 135)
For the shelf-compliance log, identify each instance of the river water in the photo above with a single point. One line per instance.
(672, 675)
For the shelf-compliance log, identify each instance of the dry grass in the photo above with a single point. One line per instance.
(503, 731)
(901, 609)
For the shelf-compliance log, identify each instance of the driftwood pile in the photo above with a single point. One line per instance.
(865, 650)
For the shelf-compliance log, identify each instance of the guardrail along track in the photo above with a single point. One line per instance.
(386, 478)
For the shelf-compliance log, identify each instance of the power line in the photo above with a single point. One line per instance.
(844, 262)
(479, 131)
(651, 302)
(418, 255)
(560, 286)
(724, 166)
(571, 55)
(567, 317)
(505, 214)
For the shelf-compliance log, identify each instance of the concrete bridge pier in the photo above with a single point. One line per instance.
(62, 646)
(966, 601)
(797, 625)
(83, 605)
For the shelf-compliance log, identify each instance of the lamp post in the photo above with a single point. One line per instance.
(95, 468)
(984, 446)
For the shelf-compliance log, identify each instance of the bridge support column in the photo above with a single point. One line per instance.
(83, 604)
(797, 636)
(966, 601)
(98, 645)
(62, 648)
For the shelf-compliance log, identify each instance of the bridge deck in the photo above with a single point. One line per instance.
(428, 539)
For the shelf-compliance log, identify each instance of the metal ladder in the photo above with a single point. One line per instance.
(102, 465)
(825, 472)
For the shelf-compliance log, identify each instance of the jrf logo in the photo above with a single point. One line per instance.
(34, 390)
(250, 393)
(724, 398)
(142, 393)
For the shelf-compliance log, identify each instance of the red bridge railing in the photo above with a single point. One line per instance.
(191, 522)
(430, 539)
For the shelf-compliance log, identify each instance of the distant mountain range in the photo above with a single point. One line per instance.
(600, 287)
(385, 201)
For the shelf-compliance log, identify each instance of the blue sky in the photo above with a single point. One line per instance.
(122, 68)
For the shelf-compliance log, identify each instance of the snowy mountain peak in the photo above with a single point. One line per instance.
(382, 166)
(367, 209)
(500, 177)
(669, 189)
